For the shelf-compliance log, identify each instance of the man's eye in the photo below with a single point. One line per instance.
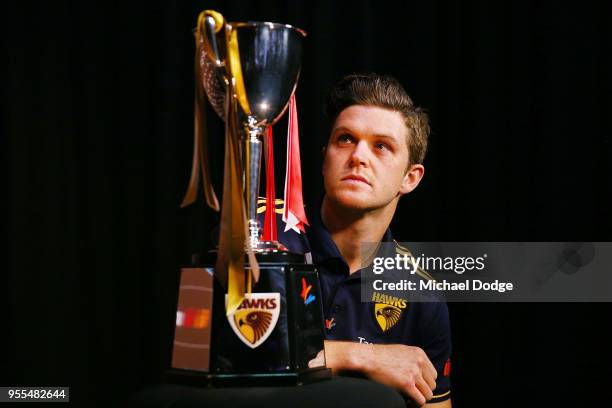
(382, 146)
(344, 138)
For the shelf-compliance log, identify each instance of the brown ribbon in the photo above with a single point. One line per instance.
(200, 138)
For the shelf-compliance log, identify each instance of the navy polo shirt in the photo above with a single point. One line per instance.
(422, 324)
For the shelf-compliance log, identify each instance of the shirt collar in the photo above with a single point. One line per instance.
(322, 245)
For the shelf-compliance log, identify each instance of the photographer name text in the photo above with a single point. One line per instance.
(432, 285)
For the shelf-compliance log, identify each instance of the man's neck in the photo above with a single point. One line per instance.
(349, 229)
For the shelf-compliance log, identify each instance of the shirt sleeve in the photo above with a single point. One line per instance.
(437, 346)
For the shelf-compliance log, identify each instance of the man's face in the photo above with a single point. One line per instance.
(366, 159)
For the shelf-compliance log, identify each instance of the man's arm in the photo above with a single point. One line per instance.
(443, 404)
(405, 368)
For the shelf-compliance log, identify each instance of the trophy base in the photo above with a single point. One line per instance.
(270, 246)
(268, 254)
(271, 339)
(195, 378)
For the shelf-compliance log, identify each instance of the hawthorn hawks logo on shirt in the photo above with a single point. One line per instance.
(387, 310)
(255, 318)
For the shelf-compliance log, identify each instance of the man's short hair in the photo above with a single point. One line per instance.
(384, 92)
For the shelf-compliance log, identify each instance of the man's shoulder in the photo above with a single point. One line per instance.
(294, 241)
(403, 251)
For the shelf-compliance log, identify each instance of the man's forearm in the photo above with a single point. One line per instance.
(406, 368)
(347, 356)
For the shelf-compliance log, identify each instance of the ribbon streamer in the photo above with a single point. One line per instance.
(236, 69)
(269, 232)
(294, 215)
(229, 268)
(200, 138)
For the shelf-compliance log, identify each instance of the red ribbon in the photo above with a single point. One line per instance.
(269, 232)
(294, 215)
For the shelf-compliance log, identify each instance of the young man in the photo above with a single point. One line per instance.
(374, 156)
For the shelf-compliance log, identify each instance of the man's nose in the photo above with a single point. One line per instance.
(359, 155)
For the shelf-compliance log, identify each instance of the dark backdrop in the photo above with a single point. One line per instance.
(97, 139)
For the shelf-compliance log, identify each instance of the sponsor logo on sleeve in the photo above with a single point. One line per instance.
(329, 323)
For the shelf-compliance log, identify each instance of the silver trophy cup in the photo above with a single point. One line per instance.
(261, 61)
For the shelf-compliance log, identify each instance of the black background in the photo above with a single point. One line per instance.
(97, 137)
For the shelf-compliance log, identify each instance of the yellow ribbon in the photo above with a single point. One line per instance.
(234, 231)
(236, 69)
(229, 267)
(239, 92)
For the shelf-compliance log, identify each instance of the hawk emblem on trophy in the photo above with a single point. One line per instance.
(255, 318)
(253, 324)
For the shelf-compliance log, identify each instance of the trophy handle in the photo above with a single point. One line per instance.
(213, 22)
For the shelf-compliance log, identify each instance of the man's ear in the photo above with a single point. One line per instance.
(412, 178)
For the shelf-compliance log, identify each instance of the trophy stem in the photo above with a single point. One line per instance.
(253, 149)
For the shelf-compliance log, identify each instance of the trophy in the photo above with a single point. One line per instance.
(255, 316)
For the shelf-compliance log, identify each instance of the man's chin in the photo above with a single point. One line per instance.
(352, 202)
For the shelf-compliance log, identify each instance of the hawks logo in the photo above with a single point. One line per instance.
(387, 310)
(255, 318)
